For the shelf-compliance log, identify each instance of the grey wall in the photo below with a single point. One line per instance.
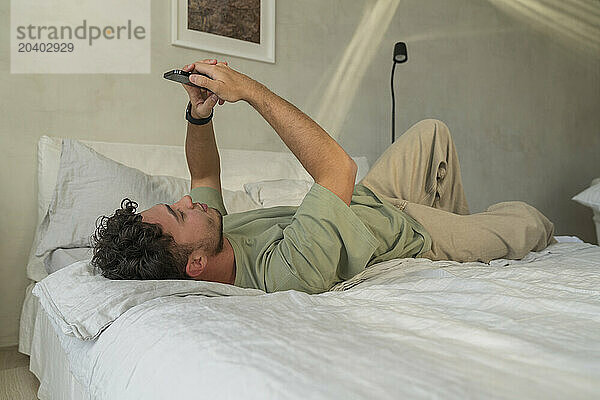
(522, 106)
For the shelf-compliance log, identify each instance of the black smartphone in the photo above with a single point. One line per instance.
(181, 76)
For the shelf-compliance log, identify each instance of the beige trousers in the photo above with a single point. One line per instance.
(420, 174)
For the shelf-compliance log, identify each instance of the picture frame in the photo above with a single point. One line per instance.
(194, 39)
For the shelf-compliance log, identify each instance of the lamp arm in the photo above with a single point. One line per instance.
(393, 106)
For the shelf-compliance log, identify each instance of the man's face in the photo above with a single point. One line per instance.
(189, 224)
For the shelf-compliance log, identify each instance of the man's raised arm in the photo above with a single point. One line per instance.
(202, 155)
(322, 157)
(200, 145)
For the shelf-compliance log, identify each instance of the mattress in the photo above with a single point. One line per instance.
(405, 328)
(49, 361)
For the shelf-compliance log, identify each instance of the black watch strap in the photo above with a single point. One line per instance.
(192, 120)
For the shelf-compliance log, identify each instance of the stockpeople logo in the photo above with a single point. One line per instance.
(52, 36)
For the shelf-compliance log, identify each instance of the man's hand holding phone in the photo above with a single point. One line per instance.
(203, 100)
(213, 82)
(228, 84)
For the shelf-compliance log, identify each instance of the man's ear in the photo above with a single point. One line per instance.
(196, 264)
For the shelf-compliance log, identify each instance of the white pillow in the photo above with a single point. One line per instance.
(278, 192)
(591, 196)
(237, 166)
(238, 201)
(90, 185)
(60, 258)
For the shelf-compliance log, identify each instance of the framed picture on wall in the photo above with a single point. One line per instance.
(241, 28)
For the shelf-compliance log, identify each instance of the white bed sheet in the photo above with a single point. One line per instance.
(49, 360)
(412, 328)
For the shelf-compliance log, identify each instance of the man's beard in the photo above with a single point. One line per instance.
(216, 249)
(220, 245)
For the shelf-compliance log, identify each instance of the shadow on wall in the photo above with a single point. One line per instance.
(575, 24)
(335, 101)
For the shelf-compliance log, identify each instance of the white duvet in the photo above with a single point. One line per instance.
(406, 328)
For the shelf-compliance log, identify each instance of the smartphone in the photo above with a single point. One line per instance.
(181, 76)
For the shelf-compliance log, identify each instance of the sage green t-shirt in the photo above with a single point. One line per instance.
(317, 244)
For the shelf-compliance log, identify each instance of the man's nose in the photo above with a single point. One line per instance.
(186, 201)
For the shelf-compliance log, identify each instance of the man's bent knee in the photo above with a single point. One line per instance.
(431, 127)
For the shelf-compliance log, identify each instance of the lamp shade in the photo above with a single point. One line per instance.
(400, 53)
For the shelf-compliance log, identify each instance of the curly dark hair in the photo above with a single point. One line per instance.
(125, 247)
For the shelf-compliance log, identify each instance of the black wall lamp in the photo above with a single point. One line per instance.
(400, 56)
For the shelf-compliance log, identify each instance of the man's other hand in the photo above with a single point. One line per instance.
(227, 83)
(203, 100)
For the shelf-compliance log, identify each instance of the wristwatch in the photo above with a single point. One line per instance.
(192, 120)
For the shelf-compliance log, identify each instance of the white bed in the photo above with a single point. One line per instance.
(409, 328)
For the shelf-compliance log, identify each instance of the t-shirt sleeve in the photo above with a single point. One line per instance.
(325, 243)
(210, 196)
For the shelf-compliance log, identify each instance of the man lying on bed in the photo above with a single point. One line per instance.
(410, 204)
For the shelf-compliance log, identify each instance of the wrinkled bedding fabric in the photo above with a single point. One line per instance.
(405, 328)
